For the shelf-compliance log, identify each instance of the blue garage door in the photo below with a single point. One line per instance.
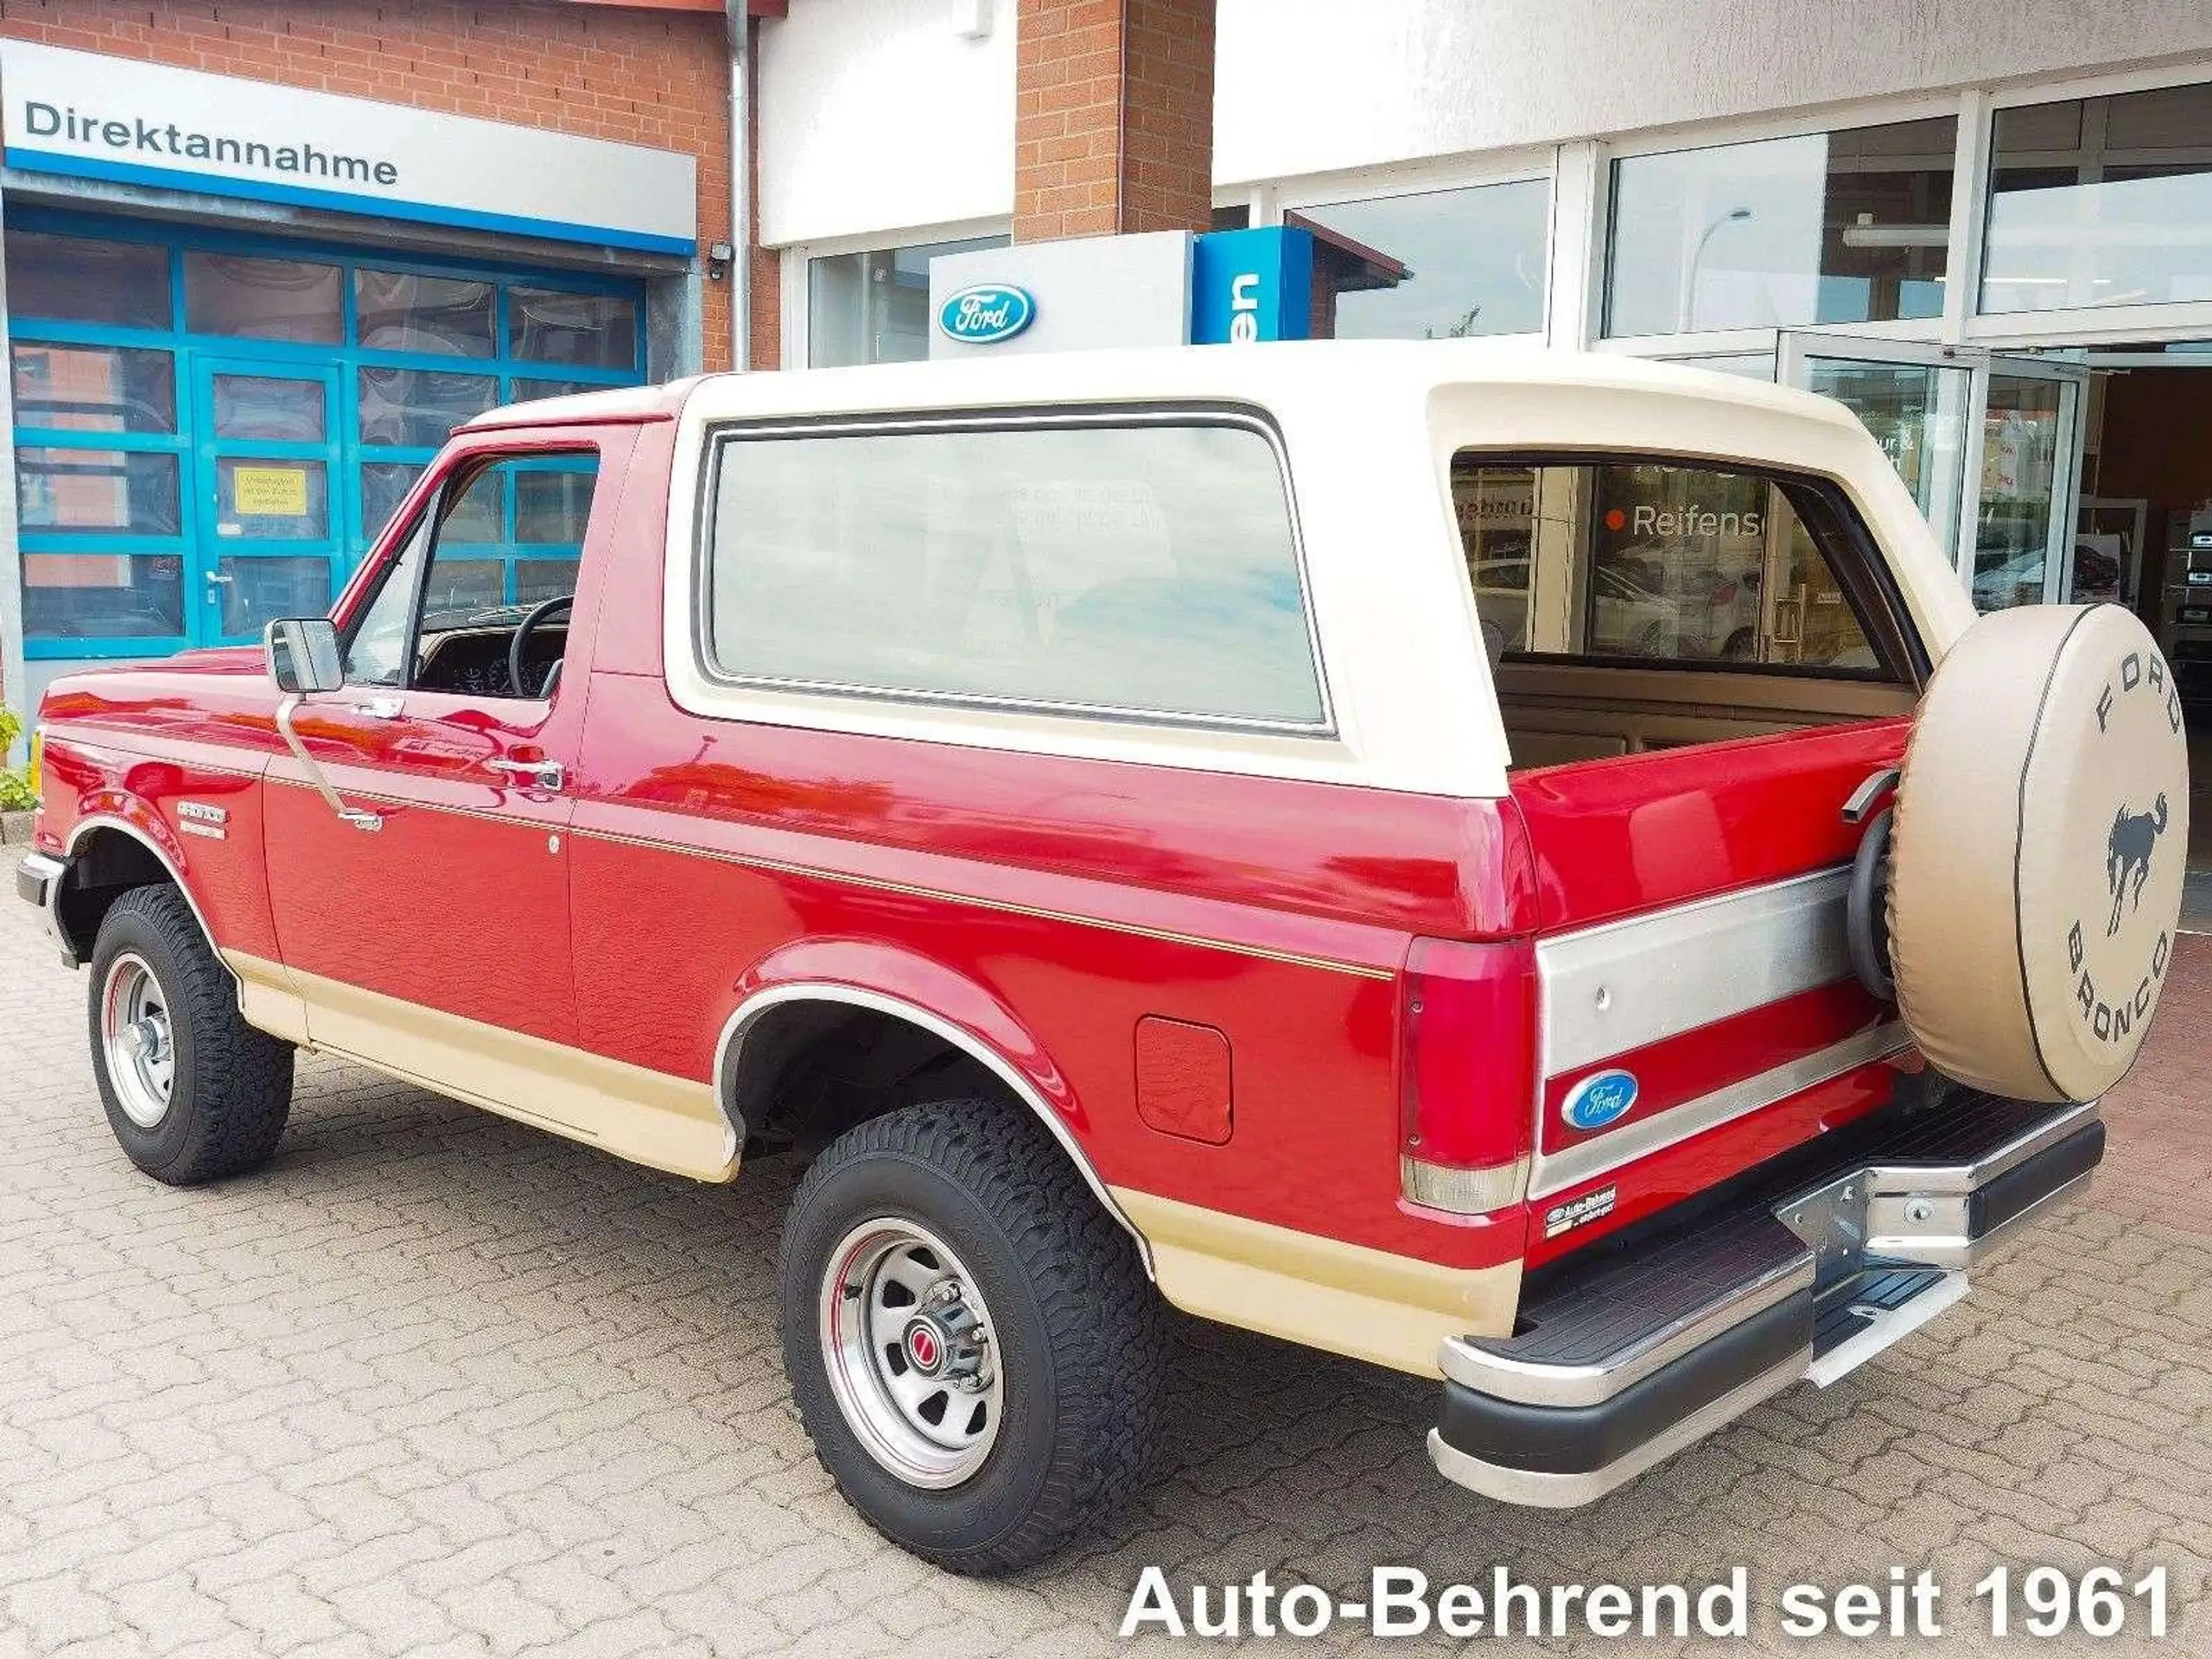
(210, 429)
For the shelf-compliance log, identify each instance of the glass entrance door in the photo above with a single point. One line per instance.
(263, 472)
(1990, 447)
(1913, 398)
(2028, 469)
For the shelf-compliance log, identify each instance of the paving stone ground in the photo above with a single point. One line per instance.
(436, 1383)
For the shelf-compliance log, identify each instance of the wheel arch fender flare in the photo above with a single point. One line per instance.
(131, 818)
(925, 993)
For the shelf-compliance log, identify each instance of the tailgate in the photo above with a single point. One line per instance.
(1700, 1015)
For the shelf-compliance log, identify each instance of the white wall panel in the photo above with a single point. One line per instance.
(879, 115)
(1314, 85)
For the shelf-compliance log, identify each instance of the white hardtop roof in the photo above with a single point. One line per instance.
(1299, 371)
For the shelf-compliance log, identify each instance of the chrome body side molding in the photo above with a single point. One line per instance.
(1623, 985)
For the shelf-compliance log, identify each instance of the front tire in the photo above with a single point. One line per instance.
(193, 1092)
(973, 1347)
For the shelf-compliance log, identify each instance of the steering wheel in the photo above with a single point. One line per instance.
(524, 629)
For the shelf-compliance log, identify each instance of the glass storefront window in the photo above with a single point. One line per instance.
(283, 408)
(2020, 434)
(523, 390)
(402, 311)
(80, 279)
(1443, 265)
(874, 306)
(93, 388)
(262, 299)
(129, 492)
(1850, 226)
(256, 591)
(553, 505)
(2100, 202)
(418, 407)
(587, 331)
(198, 433)
(103, 595)
(385, 484)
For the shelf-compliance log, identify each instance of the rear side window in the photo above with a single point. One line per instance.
(1140, 568)
(1666, 564)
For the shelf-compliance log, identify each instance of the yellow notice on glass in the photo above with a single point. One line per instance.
(269, 492)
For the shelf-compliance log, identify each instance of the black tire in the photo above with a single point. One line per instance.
(233, 1087)
(1079, 1334)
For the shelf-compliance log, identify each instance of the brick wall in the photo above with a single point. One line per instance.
(1112, 117)
(658, 78)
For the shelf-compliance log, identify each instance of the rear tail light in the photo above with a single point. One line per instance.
(1467, 1074)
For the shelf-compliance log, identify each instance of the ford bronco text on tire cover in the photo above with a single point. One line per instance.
(1527, 871)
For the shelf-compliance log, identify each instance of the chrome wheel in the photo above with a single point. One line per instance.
(138, 1040)
(907, 1344)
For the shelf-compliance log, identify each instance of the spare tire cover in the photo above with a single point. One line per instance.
(2040, 833)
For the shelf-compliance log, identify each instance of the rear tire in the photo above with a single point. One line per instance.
(193, 1092)
(967, 1212)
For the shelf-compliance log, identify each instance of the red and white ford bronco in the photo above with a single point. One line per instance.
(1278, 832)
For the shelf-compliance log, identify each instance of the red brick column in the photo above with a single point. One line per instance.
(1113, 126)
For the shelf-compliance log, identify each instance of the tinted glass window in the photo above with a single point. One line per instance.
(125, 284)
(399, 311)
(94, 388)
(262, 299)
(592, 331)
(2100, 202)
(1656, 563)
(874, 306)
(420, 407)
(1149, 568)
(1850, 226)
(1442, 265)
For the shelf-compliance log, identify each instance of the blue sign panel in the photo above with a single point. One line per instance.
(1599, 1100)
(986, 314)
(1251, 285)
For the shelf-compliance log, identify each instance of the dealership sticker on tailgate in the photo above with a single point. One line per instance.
(1575, 1212)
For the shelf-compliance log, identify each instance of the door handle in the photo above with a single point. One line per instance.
(378, 708)
(548, 775)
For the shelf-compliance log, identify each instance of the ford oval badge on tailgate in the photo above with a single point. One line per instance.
(986, 314)
(1598, 1099)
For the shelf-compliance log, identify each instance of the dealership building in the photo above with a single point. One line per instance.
(260, 256)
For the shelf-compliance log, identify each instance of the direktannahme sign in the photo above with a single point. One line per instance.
(84, 115)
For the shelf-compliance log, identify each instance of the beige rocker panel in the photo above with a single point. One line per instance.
(1343, 1299)
(2040, 833)
(648, 1117)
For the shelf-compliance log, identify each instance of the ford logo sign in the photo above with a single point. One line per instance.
(1598, 1099)
(986, 314)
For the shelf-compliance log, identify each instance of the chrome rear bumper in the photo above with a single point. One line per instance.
(1801, 1269)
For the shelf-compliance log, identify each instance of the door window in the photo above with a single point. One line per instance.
(487, 553)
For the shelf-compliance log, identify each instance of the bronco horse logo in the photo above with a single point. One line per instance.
(2128, 855)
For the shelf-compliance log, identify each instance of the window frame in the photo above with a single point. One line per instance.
(721, 436)
(1869, 586)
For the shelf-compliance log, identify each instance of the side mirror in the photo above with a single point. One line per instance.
(302, 655)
